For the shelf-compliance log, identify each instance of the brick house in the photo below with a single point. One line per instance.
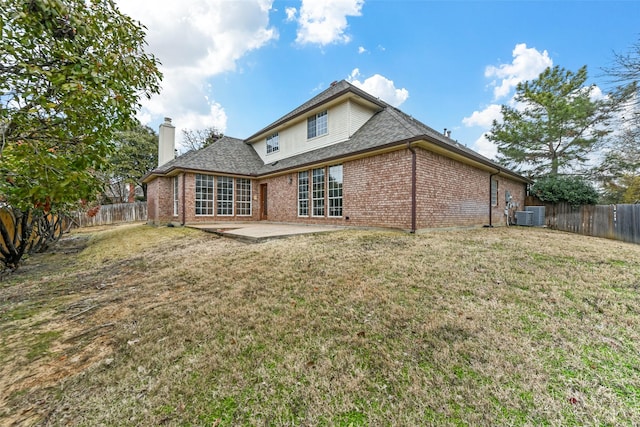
(343, 158)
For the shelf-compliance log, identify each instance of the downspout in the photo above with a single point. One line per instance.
(491, 205)
(413, 186)
(184, 185)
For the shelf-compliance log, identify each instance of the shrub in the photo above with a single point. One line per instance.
(571, 189)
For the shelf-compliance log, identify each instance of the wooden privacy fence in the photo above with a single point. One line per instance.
(619, 222)
(111, 214)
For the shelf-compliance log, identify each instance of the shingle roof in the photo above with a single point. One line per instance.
(227, 155)
(388, 127)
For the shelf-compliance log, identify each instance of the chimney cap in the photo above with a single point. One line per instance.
(167, 120)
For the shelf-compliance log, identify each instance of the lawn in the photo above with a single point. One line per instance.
(136, 325)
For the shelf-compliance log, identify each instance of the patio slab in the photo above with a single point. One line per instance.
(255, 232)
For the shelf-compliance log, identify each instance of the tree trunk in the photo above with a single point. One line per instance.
(15, 246)
(554, 164)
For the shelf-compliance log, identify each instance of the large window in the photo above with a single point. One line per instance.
(335, 190)
(204, 194)
(243, 197)
(303, 193)
(317, 125)
(224, 196)
(175, 196)
(273, 144)
(318, 192)
(494, 192)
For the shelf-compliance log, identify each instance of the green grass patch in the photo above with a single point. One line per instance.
(39, 345)
(169, 326)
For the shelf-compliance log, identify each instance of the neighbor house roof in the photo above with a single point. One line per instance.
(386, 128)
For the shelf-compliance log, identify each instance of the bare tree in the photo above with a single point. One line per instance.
(194, 140)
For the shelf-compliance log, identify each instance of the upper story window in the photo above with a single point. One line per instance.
(273, 144)
(317, 125)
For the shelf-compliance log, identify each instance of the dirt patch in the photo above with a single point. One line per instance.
(57, 319)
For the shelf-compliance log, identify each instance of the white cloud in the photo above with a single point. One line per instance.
(596, 94)
(362, 50)
(484, 118)
(527, 64)
(486, 147)
(380, 87)
(195, 41)
(325, 22)
(291, 13)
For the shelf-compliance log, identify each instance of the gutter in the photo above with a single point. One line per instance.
(413, 187)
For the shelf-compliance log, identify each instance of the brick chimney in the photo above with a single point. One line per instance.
(166, 142)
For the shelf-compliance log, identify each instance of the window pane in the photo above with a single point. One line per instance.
(243, 197)
(318, 192)
(311, 127)
(335, 190)
(225, 195)
(494, 192)
(175, 196)
(273, 143)
(204, 194)
(317, 125)
(303, 193)
(321, 123)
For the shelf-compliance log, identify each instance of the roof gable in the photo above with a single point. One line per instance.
(334, 92)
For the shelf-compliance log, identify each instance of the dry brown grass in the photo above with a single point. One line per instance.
(150, 326)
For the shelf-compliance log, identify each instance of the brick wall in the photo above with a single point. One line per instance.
(282, 197)
(376, 193)
(451, 193)
(377, 190)
(160, 201)
(152, 201)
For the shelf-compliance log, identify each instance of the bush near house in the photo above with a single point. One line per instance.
(565, 189)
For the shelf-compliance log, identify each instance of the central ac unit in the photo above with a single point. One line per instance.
(524, 218)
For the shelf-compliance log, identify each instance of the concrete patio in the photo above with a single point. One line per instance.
(255, 232)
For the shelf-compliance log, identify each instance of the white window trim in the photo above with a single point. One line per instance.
(316, 136)
(217, 200)
(277, 148)
(213, 200)
(324, 194)
(308, 195)
(235, 194)
(329, 198)
(176, 196)
(494, 192)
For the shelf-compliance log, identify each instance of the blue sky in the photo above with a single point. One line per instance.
(240, 64)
